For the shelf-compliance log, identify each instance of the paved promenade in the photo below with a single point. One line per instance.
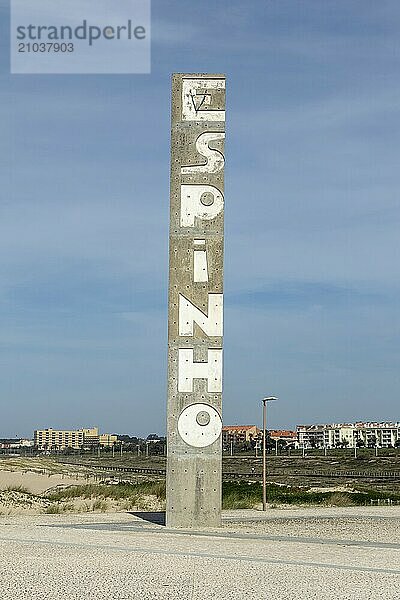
(346, 553)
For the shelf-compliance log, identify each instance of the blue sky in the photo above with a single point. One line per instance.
(312, 221)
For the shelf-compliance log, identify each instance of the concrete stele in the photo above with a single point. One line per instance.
(195, 317)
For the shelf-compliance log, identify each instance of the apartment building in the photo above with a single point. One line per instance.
(334, 435)
(59, 439)
(283, 435)
(239, 434)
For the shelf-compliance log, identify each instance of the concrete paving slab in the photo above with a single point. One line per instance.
(122, 556)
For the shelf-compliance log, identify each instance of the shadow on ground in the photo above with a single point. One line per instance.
(152, 517)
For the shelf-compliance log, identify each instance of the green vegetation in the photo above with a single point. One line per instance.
(117, 492)
(247, 495)
(99, 505)
(97, 497)
(241, 495)
(297, 481)
(235, 495)
(58, 508)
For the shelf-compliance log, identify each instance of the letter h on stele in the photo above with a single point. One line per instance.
(212, 325)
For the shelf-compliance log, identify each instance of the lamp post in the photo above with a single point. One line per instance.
(264, 401)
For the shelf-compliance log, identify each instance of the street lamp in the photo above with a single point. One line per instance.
(264, 401)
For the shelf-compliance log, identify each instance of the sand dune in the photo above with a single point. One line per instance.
(36, 483)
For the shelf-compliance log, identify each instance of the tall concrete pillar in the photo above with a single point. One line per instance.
(194, 423)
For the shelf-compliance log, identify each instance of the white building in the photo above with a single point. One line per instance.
(348, 435)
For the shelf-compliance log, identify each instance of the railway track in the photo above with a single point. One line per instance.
(386, 475)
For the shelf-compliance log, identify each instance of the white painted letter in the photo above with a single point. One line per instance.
(196, 97)
(200, 269)
(194, 205)
(215, 158)
(189, 370)
(190, 314)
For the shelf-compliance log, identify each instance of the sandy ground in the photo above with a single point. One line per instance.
(15, 501)
(313, 553)
(36, 476)
(36, 482)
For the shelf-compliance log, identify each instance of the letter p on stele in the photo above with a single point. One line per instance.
(202, 201)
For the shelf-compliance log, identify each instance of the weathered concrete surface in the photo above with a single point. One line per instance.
(195, 300)
(346, 554)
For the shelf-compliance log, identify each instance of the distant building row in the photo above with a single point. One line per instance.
(60, 439)
(15, 443)
(332, 435)
(349, 435)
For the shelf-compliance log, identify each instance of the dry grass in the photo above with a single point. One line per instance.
(20, 489)
(116, 492)
(150, 495)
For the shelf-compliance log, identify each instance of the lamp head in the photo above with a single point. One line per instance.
(269, 399)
